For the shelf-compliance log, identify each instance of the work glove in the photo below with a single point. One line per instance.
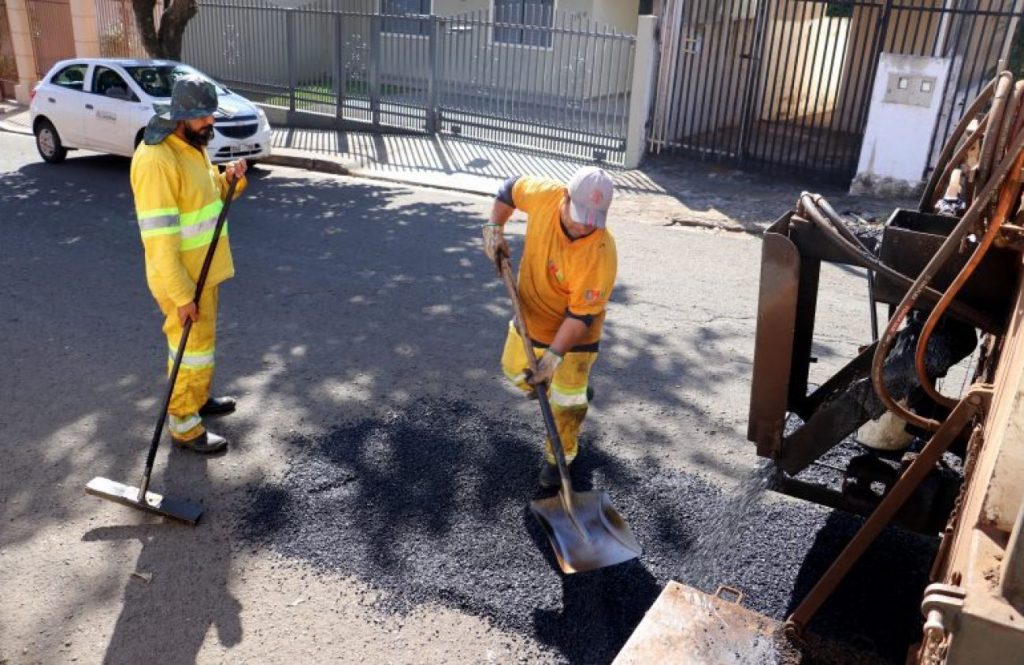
(495, 246)
(546, 367)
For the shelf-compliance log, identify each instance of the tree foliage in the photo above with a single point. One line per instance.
(163, 41)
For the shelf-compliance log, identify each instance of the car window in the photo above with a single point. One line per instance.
(72, 76)
(107, 82)
(158, 80)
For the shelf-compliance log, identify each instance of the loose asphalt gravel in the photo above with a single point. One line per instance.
(429, 505)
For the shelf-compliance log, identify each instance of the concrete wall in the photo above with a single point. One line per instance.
(897, 138)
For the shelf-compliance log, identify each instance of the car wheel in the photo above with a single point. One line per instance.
(48, 143)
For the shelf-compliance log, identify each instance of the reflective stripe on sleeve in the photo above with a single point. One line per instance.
(162, 221)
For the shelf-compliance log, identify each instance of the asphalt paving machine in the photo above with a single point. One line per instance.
(949, 274)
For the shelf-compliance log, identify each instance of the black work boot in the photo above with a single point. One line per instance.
(205, 443)
(217, 406)
(549, 478)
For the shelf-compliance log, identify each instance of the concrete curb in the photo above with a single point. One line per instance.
(336, 167)
(307, 163)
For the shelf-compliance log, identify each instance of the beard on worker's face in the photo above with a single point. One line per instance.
(199, 138)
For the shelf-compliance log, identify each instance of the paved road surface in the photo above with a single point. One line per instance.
(372, 505)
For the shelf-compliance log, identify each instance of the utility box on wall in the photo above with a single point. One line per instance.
(906, 100)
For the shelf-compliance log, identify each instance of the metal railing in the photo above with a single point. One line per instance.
(787, 83)
(547, 80)
(53, 38)
(118, 33)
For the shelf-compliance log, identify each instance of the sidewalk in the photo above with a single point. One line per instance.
(666, 190)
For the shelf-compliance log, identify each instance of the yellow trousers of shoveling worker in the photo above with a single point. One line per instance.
(195, 375)
(568, 391)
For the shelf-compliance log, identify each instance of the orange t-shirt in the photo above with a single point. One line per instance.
(557, 275)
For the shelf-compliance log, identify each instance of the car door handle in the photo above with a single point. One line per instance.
(51, 100)
(88, 106)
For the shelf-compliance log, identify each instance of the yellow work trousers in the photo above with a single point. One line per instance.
(192, 387)
(568, 391)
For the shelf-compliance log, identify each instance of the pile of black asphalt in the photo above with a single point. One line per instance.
(429, 505)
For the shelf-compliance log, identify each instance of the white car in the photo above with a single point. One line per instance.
(103, 104)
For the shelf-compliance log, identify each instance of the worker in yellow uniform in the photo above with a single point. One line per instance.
(566, 275)
(178, 197)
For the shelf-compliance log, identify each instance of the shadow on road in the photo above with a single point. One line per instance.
(169, 617)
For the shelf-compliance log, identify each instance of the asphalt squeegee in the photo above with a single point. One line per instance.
(140, 497)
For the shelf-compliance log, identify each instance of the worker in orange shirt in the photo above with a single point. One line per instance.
(566, 275)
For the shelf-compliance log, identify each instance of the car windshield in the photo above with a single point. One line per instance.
(157, 80)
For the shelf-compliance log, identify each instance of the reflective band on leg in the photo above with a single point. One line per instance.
(194, 359)
(183, 425)
(568, 397)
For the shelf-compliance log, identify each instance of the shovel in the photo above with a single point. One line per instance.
(584, 528)
(141, 498)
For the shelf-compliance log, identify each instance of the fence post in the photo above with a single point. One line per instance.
(373, 66)
(641, 87)
(85, 27)
(339, 71)
(432, 115)
(19, 22)
(289, 37)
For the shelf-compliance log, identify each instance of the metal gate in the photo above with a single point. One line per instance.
(119, 36)
(8, 66)
(52, 36)
(787, 83)
(533, 77)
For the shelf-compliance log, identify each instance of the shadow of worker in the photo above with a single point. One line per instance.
(167, 618)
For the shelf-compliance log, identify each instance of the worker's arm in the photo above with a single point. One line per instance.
(569, 334)
(495, 245)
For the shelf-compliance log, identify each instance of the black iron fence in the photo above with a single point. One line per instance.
(787, 83)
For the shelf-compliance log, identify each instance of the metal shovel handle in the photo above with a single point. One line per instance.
(542, 389)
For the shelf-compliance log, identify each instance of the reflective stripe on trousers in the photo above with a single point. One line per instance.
(192, 387)
(568, 392)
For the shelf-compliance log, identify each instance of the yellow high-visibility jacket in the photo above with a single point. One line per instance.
(178, 196)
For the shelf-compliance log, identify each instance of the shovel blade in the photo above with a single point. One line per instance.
(157, 504)
(602, 538)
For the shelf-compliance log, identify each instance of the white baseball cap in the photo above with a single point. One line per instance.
(590, 195)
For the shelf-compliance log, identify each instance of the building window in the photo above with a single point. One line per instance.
(538, 15)
(406, 26)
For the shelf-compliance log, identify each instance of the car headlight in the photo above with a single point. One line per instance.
(264, 123)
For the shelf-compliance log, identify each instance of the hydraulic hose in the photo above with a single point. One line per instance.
(958, 158)
(1011, 115)
(989, 156)
(1007, 197)
(858, 254)
(945, 252)
(951, 144)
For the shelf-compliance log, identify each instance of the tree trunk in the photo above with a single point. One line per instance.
(164, 42)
